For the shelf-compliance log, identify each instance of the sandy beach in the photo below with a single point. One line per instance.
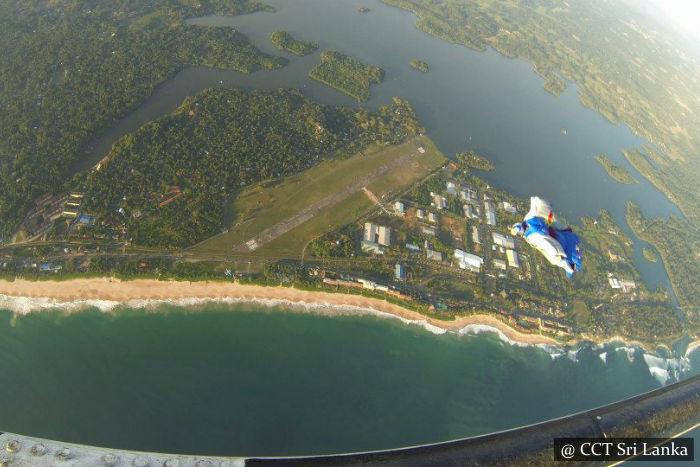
(107, 289)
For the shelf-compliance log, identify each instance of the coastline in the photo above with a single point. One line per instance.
(113, 292)
(23, 296)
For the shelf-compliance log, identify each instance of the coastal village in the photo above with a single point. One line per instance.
(443, 246)
(457, 231)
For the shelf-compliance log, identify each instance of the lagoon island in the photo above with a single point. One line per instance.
(420, 66)
(347, 74)
(284, 41)
(649, 255)
(616, 172)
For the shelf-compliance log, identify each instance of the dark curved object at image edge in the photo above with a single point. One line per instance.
(665, 412)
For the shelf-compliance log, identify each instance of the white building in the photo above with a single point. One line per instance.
(370, 232)
(512, 256)
(614, 283)
(432, 217)
(439, 201)
(503, 241)
(433, 255)
(499, 263)
(470, 211)
(468, 260)
(509, 207)
(490, 213)
(384, 236)
(377, 234)
(371, 285)
(475, 235)
(467, 194)
(451, 188)
(399, 272)
(420, 214)
(371, 247)
(399, 208)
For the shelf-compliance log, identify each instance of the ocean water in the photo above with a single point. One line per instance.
(247, 380)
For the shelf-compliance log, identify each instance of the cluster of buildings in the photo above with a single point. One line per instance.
(505, 245)
(367, 284)
(439, 202)
(47, 209)
(546, 325)
(468, 261)
(431, 254)
(375, 237)
(621, 284)
(173, 193)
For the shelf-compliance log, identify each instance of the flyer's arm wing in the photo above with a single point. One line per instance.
(543, 209)
(538, 208)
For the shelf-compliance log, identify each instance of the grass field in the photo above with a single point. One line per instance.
(330, 195)
(580, 314)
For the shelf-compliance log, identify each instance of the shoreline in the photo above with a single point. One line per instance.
(23, 296)
(113, 292)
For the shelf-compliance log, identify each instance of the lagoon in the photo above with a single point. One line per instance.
(539, 143)
(242, 380)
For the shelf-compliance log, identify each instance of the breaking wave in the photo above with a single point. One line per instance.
(665, 370)
(24, 305)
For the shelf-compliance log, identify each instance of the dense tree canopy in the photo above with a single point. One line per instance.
(69, 68)
(284, 41)
(420, 66)
(215, 143)
(347, 74)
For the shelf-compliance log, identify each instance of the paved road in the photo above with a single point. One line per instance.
(307, 213)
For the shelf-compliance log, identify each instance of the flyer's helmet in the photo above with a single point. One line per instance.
(517, 229)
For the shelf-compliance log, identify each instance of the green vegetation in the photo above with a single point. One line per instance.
(347, 74)
(580, 314)
(676, 240)
(555, 85)
(616, 172)
(70, 68)
(675, 180)
(648, 322)
(284, 41)
(266, 204)
(649, 255)
(679, 248)
(628, 66)
(474, 161)
(534, 295)
(420, 66)
(205, 151)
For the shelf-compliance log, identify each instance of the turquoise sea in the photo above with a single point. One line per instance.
(243, 380)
